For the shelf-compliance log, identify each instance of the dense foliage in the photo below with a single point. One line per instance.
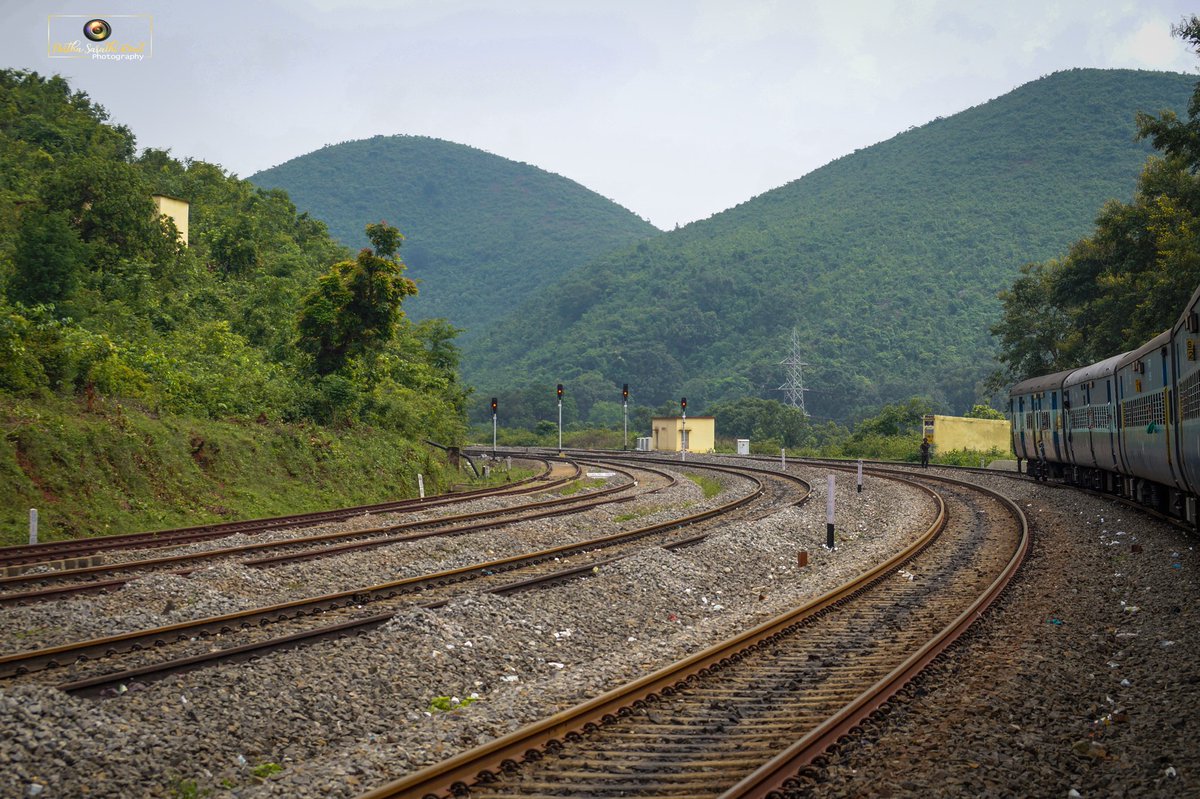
(1130, 279)
(99, 298)
(887, 261)
(482, 232)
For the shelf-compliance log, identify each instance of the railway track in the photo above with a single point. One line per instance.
(29, 555)
(42, 586)
(537, 567)
(740, 718)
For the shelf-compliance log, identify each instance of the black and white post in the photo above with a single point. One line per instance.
(860, 475)
(560, 390)
(829, 514)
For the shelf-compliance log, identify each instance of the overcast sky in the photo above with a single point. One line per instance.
(674, 109)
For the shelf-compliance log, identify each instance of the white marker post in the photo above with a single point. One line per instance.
(421, 485)
(33, 538)
(860, 475)
(829, 515)
(782, 458)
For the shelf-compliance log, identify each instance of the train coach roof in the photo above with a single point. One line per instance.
(1161, 340)
(1191, 306)
(1097, 370)
(1043, 383)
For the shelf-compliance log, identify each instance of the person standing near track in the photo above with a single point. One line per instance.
(925, 453)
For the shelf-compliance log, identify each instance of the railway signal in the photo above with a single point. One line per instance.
(625, 408)
(683, 433)
(494, 427)
(560, 417)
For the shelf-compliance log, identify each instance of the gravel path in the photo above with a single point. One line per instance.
(1086, 683)
(346, 715)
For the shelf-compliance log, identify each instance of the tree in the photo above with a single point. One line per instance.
(49, 258)
(984, 412)
(1167, 132)
(355, 306)
(1126, 282)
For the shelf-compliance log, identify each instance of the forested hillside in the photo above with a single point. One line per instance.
(262, 319)
(1130, 278)
(481, 232)
(887, 261)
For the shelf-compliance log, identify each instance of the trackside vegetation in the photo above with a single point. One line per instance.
(119, 344)
(1125, 282)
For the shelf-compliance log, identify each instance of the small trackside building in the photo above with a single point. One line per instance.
(947, 433)
(668, 434)
(176, 208)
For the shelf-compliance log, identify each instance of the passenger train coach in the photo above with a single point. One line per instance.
(1129, 425)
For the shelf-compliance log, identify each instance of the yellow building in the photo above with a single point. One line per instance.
(668, 434)
(948, 433)
(177, 210)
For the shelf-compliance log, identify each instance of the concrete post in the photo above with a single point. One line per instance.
(829, 514)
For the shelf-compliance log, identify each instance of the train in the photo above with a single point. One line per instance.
(1128, 425)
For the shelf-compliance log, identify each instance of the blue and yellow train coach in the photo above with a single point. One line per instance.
(1129, 425)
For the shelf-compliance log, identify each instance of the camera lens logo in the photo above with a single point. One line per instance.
(97, 30)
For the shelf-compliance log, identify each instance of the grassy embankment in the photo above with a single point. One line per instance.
(119, 470)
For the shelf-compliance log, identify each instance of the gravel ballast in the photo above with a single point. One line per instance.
(1029, 705)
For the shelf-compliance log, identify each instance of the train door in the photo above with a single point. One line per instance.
(1055, 426)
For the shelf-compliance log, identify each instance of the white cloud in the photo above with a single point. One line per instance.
(675, 108)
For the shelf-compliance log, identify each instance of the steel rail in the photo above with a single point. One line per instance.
(32, 660)
(771, 778)
(100, 684)
(374, 537)
(454, 775)
(50, 551)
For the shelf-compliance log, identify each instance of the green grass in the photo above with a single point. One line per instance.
(119, 470)
(710, 486)
(638, 513)
(575, 486)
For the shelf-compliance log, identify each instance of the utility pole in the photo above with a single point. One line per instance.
(794, 387)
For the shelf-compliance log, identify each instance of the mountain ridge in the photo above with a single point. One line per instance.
(914, 235)
(481, 231)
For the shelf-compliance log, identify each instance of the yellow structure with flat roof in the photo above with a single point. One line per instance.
(177, 210)
(948, 433)
(668, 434)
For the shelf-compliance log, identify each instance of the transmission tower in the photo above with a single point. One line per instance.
(794, 387)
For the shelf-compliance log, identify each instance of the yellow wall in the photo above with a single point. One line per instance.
(665, 433)
(958, 432)
(177, 209)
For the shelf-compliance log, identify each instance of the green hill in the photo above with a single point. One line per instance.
(886, 261)
(481, 232)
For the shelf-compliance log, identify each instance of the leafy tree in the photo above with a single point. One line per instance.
(899, 419)
(49, 258)
(984, 412)
(355, 306)
(1126, 282)
(1176, 138)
